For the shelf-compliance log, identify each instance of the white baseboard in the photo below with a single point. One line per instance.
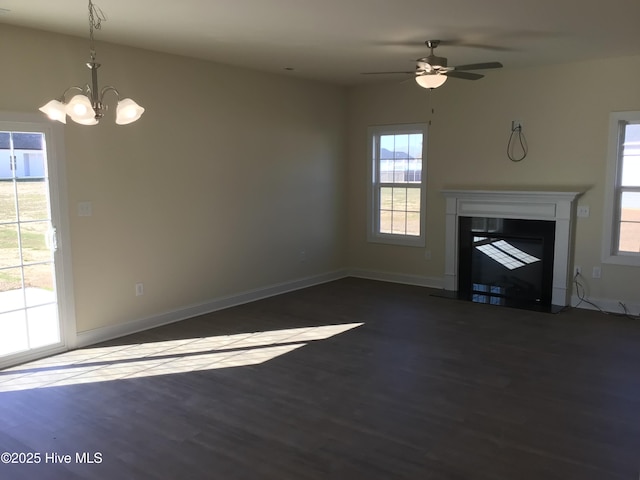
(608, 305)
(432, 282)
(91, 337)
(30, 355)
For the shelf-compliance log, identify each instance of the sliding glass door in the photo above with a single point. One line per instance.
(31, 320)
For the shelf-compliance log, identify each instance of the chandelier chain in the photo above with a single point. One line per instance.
(96, 17)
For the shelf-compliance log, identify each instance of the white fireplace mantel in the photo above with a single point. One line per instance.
(557, 206)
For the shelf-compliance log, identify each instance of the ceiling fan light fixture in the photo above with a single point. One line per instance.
(432, 71)
(431, 80)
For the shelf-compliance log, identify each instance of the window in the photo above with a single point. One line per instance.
(621, 244)
(397, 184)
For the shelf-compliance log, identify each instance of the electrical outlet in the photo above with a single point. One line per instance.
(596, 272)
(577, 270)
(515, 125)
(139, 289)
(427, 254)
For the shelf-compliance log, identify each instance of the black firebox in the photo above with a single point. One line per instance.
(503, 261)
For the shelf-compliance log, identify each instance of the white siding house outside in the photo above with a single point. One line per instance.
(26, 159)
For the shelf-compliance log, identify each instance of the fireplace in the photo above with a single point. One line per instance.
(510, 248)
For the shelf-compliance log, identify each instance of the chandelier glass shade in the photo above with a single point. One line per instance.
(87, 106)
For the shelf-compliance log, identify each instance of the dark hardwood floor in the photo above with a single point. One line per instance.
(426, 388)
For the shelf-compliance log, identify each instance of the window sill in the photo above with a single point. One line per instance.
(626, 260)
(397, 240)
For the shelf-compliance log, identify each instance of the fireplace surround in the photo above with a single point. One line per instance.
(557, 207)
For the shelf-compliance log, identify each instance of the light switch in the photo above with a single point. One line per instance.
(583, 211)
(84, 209)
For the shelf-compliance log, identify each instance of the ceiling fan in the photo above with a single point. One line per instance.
(432, 71)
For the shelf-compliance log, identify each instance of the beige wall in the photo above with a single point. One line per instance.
(215, 191)
(230, 173)
(565, 112)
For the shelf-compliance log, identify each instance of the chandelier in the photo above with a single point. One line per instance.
(87, 106)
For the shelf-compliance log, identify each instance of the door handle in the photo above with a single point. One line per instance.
(53, 239)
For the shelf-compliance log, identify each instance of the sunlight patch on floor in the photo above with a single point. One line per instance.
(119, 362)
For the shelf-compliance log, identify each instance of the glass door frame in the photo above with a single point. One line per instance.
(55, 157)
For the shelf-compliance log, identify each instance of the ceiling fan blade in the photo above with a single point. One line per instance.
(479, 66)
(386, 73)
(463, 43)
(450, 42)
(464, 75)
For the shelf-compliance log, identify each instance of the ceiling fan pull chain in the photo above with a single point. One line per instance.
(430, 107)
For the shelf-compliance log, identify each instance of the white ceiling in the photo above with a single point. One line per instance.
(336, 40)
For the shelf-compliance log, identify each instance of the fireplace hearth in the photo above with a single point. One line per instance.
(510, 248)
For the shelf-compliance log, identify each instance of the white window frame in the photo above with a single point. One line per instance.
(613, 192)
(373, 185)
